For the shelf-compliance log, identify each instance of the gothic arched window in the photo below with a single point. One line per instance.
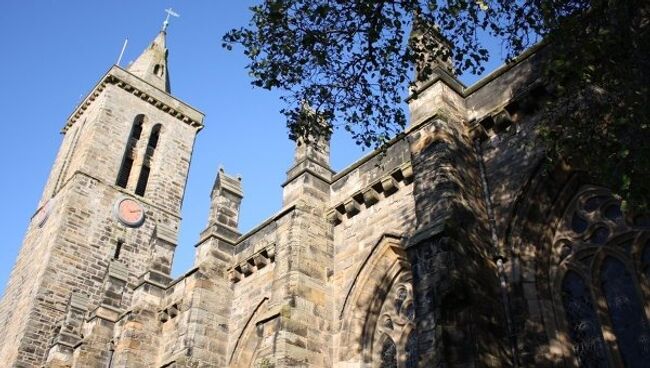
(388, 354)
(411, 351)
(129, 153)
(600, 290)
(645, 260)
(626, 313)
(584, 328)
(395, 338)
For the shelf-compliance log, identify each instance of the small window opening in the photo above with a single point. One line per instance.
(118, 249)
(159, 70)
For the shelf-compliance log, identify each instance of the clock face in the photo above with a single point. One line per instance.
(129, 212)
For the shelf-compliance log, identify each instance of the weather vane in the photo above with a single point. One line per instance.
(169, 12)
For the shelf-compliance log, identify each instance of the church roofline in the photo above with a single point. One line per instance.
(140, 88)
(459, 88)
(464, 91)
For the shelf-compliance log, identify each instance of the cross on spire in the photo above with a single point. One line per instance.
(169, 12)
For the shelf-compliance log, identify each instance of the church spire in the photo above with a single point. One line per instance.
(151, 65)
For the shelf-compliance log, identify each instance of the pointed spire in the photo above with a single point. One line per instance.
(151, 65)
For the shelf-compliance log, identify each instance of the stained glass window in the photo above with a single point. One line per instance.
(645, 260)
(388, 354)
(411, 351)
(584, 328)
(596, 217)
(626, 313)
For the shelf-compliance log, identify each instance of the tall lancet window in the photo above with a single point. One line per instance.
(584, 327)
(626, 313)
(388, 354)
(129, 152)
(143, 180)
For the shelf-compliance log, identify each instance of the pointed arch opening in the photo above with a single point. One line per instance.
(411, 351)
(583, 323)
(388, 353)
(597, 254)
(625, 311)
(377, 316)
(159, 70)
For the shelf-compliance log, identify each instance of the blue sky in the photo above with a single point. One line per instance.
(53, 52)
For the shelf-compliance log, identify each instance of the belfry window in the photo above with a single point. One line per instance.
(601, 283)
(129, 152)
(145, 170)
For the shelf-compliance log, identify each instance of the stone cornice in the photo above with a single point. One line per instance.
(142, 89)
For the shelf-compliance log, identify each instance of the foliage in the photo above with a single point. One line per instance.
(599, 63)
(352, 61)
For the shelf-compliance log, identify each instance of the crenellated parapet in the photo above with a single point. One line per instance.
(246, 265)
(373, 193)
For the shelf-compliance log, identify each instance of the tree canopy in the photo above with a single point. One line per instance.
(352, 61)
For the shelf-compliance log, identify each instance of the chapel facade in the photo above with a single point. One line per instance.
(453, 246)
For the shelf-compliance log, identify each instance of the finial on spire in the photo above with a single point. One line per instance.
(169, 12)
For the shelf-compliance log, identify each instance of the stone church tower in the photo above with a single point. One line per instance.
(110, 211)
(453, 246)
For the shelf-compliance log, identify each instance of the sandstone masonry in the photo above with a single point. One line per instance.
(451, 247)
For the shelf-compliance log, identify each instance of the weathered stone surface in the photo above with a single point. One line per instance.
(435, 251)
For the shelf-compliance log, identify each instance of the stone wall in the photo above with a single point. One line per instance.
(437, 244)
(68, 255)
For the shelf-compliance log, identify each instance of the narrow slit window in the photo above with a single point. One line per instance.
(127, 160)
(141, 188)
(143, 179)
(153, 138)
(159, 70)
(118, 249)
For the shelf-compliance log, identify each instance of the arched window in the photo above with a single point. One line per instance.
(600, 291)
(154, 136)
(411, 351)
(645, 260)
(626, 313)
(395, 341)
(584, 328)
(388, 354)
(145, 170)
(159, 70)
(127, 161)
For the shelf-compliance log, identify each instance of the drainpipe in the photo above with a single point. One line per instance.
(499, 255)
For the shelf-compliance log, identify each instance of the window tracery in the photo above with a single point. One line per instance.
(600, 283)
(395, 339)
